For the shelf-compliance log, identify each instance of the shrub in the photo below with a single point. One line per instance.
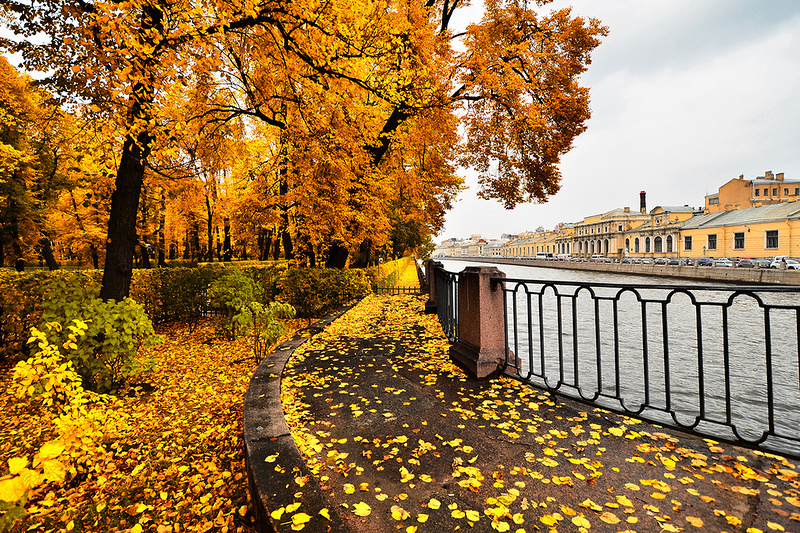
(241, 296)
(105, 356)
(315, 292)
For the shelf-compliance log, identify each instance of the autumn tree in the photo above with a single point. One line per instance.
(354, 90)
(34, 156)
(341, 81)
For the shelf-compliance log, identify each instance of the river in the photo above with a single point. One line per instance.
(659, 347)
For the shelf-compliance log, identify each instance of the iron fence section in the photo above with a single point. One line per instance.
(379, 289)
(447, 301)
(720, 362)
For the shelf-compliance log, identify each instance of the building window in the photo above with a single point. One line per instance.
(627, 245)
(687, 243)
(766, 192)
(647, 245)
(636, 245)
(797, 191)
(738, 241)
(657, 245)
(771, 238)
(758, 192)
(712, 241)
(775, 192)
(669, 244)
(786, 192)
(715, 200)
(619, 227)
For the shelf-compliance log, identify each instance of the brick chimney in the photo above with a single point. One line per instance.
(642, 202)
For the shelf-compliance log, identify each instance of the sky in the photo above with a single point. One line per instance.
(685, 95)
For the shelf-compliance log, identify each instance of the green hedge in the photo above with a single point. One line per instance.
(176, 293)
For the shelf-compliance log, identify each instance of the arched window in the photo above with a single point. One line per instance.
(636, 245)
(669, 244)
(657, 246)
(628, 245)
(647, 245)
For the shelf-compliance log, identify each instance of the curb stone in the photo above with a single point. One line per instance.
(272, 484)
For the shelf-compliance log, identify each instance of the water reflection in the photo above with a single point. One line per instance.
(661, 348)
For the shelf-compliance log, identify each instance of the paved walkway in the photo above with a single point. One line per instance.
(396, 438)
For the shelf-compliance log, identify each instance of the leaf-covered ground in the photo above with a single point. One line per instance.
(400, 439)
(175, 464)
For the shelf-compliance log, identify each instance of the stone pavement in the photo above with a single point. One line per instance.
(388, 435)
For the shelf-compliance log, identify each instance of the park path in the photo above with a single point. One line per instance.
(399, 439)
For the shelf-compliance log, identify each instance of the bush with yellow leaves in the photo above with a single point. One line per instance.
(54, 391)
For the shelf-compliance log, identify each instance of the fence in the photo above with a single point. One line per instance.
(715, 361)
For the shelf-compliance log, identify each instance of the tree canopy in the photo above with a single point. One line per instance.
(330, 129)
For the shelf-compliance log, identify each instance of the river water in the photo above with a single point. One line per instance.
(658, 347)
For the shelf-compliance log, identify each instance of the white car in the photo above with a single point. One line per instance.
(723, 262)
(776, 262)
(791, 264)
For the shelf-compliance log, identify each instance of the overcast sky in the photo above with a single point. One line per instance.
(685, 95)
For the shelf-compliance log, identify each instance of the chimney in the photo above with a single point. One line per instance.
(768, 174)
(779, 176)
(642, 202)
(627, 210)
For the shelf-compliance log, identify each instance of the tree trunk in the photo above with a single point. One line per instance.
(162, 222)
(227, 252)
(337, 256)
(47, 253)
(195, 240)
(94, 256)
(122, 239)
(16, 244)
(276, 248)
(210, 228)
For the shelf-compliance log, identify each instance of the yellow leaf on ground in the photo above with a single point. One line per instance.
(16, 464)
(434, 504)
(609, 518)
(695, 521)
(581, 521)
(362, 509)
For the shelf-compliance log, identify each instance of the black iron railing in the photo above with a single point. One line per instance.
(381, 289)
(715, 361)
(447, 302)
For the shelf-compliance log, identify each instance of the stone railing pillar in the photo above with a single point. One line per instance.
(481, 345)
(430, 284)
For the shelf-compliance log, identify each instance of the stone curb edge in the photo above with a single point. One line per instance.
(265, 431)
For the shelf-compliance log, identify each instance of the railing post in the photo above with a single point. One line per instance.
(430, 285)
(481, 345)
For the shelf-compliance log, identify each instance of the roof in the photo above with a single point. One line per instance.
(674, 208)
(770, 181)
(750, 215)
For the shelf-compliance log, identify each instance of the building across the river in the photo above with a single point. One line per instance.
(745, 218)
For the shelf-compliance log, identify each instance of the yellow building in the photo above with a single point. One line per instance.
(532, 244)
(740, 193)
(764, 231)
(660, 235)
(605, 234)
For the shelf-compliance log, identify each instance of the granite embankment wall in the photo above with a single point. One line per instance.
(729, 275)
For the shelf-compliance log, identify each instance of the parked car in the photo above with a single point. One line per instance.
(705, 261)
(647, 261)
(777, 260)
(723, 262)
(683, 261)
(661, 261)
(763, 263)
(791, 264)
(745, 262)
